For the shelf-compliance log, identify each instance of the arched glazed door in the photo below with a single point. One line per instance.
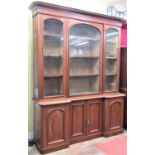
(84, 58)
(53, 57)
(111, 59)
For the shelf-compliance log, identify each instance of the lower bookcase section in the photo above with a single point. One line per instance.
(59, 125)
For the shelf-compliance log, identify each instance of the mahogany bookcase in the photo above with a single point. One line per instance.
(76, 76)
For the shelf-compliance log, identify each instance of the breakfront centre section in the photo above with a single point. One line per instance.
(76, 76)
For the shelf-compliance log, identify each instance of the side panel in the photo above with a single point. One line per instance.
(35, 57)
(37, 124)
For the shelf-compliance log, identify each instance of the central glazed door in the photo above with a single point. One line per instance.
(84, 66)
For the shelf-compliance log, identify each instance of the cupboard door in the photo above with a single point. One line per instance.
(78, 118)
(84, 58)
(56, 125)
(113, 114)
(111, 58)
(94, 117)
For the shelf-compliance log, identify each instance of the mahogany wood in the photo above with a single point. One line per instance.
(85, 120)
(113, 116)
(78, 120)
(64, 119)
(94, 112)
(55, 126)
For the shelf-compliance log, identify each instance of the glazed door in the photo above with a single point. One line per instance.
(55, 125)
(94, 112)
(51, 56)
(112, 58)
(78, 120)
(84, 58)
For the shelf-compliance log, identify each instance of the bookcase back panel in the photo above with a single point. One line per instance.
(53, 86)
(84, 66)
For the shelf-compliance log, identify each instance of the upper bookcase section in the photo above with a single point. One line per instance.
(39, 7)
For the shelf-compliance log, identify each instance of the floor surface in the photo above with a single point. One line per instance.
(82, 148)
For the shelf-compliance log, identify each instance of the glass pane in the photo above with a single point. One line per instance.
(53, 57)
(84, 59)
(111, 60)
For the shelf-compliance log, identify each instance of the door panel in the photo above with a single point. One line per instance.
(55, 128)
(115, 109)
(78, 115)
(94, 116)
(113, 116)
(56, 125)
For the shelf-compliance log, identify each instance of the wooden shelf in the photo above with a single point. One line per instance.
(52, 35)
(85, 57)
(52, 56)
(111, 58)
(86, 75)
(52, 76)
(111, 74)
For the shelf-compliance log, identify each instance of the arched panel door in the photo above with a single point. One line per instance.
(115, 115)
(111, 59)
(55, 125)
(53, 57)
(84, 59)
(55, 128)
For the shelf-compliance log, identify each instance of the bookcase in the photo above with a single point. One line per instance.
(84, 54)
(76, 76)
